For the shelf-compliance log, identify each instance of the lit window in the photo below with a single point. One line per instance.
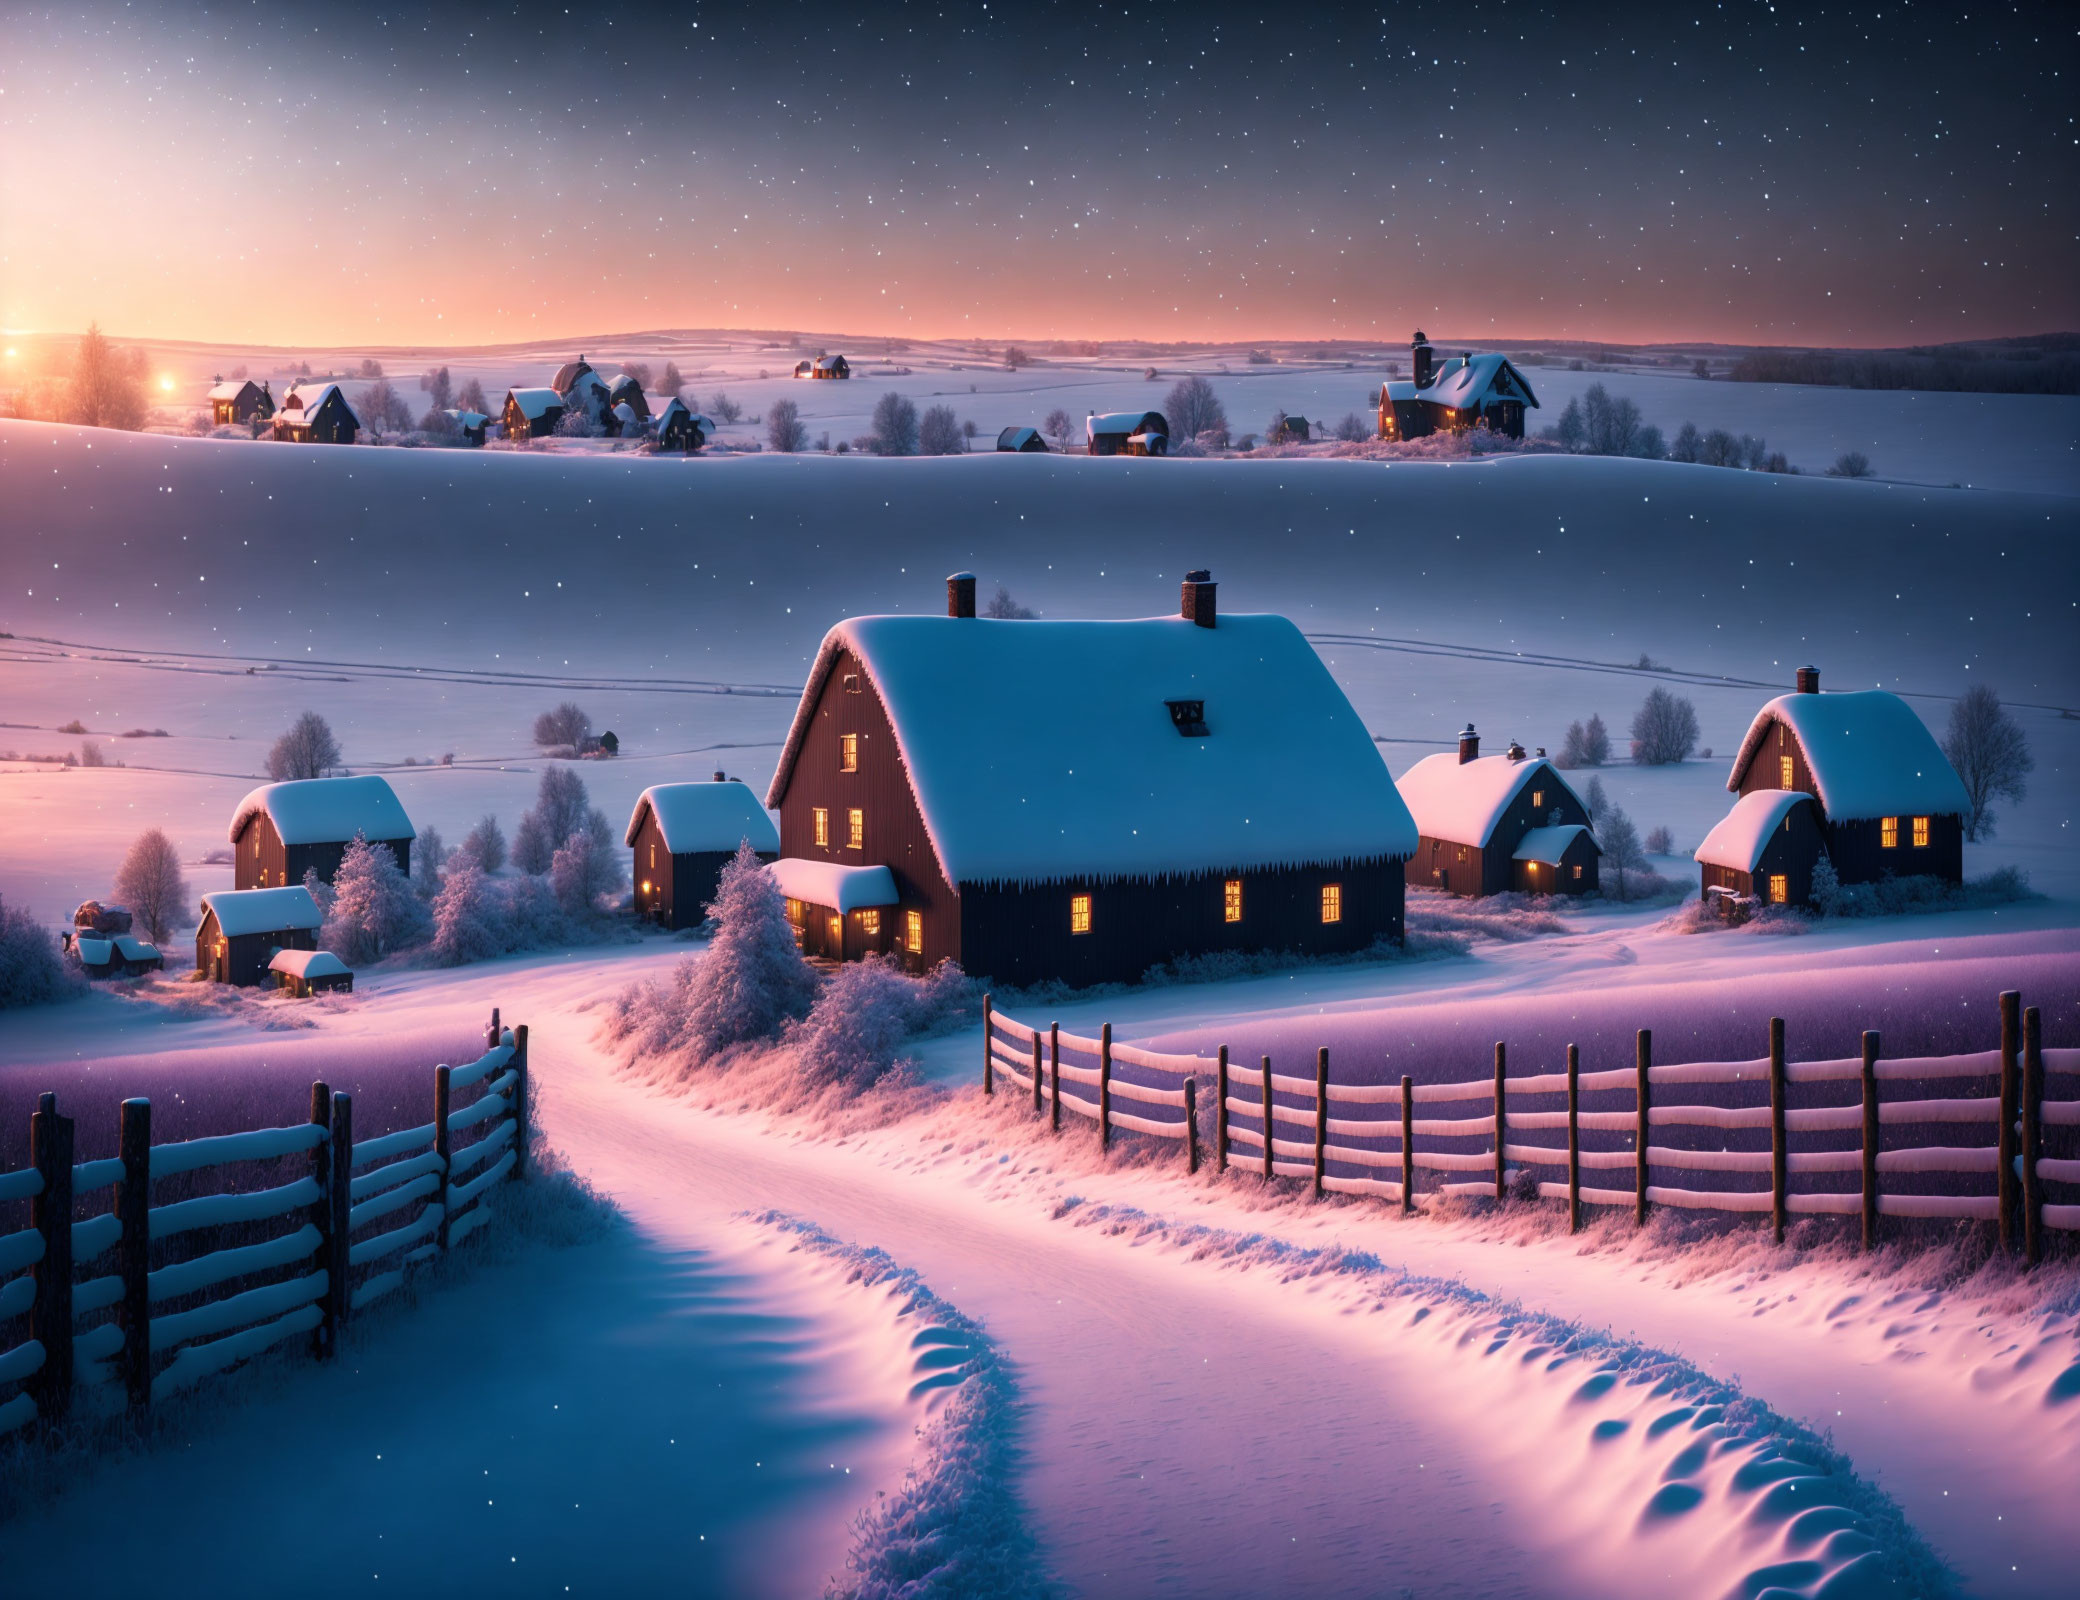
(870, 924)
(835, 927)
(1079, 913)
(1888, 833)
(913, 932)
(653, 855)
(1577, 872)
(848, 752)
(1538, 798)
(856, 829)
(1332, 902)
(823, 826)
(1779, 888)
(1231, 900)
(1784, 771)
(1921, 833)
(794, 911)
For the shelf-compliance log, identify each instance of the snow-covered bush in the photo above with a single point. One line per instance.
(1898, 897)
(307, 750)
(559, 810)
(150, 883)
(429, 854)
(374, 912)
(853, 1035)
(485, 844)
(468, 922)
(577, 423)
(725, 409)
(1850, 464)
(32, 972)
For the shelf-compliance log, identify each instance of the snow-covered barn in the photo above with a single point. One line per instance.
(1081, 800)
(531, 413)
(239, 401)
(316, 413)
(1489, 824)
(682, 835)
(681, 429)
(1890, 803)
(1127, 433)
(283, 830)
(1762, 852)
(243, 928)
(1477, 388)
(1024, 441)
(303, 973)
(105, 953)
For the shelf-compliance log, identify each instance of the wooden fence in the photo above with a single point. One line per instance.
(1646, 1119)
(184, 1295)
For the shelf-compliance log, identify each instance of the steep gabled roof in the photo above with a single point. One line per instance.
(1548, 845)
(705, 816)
(243, 911)
(1738, 839)
(1043, 751)
(1870, 755)
(305, 403)
(1127, 422)
(1472, 381)
(326, 810)
(534, 404)
(1017, 438)
(233, 389)
(1462, 801)
(570, 372)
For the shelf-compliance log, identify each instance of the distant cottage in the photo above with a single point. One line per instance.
(303, 973)
(830, 367)
(239, 402)
(283, 830)
(1491, 824)
(1291, 430)
(242, 929)
(681, 429)
(1477, 389)
(582, 387)
(1762, 852)
(1026, 441)
(683, 834)
(316, 414)
(470, 424)
(1127, 433)
(531, 413)
(1080, 801)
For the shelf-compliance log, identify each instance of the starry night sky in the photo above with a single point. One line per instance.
(283, 173)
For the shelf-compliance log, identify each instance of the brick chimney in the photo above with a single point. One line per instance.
(1198, 597)
(1808, 680)
(1469, 745)
(1515, 751)
(719, 778)
(960, 595)
(1421, 358)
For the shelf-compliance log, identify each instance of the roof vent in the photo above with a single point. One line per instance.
(1808, 680)
(1189, 716)
(1198, 602)
(1469, 745)
(1515, 751)
(1540, 752)
(719, 778)
(960, 595)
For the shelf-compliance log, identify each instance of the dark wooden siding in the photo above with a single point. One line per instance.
(264, 862)
(243, 961)
(1765, 770)
(1561, 880)
(1467, 870)
(679, 887)
(1856, 847)
(1794, 849)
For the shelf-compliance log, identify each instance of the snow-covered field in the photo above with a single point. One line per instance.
(1216, 1393)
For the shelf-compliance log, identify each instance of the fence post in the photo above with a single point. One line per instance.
(134, 1253)
(1408, 1144)
(1870, 1140)
(989, 1085)
(440, 1148)
(1191, 1125)
(1039, 1080)
(326, 1332)
(50, 1213)
(2032, 1136)
(1054, 1077)
(1779, 1157)
(339, 1265)
(1267, 1120)
(1105, 1087)
(1501, 1164)
(521, 1109)
(1321, 1120)
(1220, 1111)
(1641, 1099)
(2011, 1097)
(491, 1034)
(1574, 1140)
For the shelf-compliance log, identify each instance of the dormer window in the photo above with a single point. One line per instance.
(1189, 717)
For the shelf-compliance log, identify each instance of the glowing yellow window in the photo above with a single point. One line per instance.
(1538, 798)
(1577, 872)
(856, 829)
(1888, 833)
(1079, 913)
(1779, 889)
(653, 855)
(1784, 771)
(1332, 902)
(870, 924)
(835, 927)
(794, 912)
(848, 752)
(1231, 900)
(822, 820)
(913, 932)
(1921, 833)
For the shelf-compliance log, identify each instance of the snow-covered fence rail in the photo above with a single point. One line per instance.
(153, 1296)
(1696, 1135)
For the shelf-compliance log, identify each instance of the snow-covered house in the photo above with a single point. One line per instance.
(316, 413)
(681, 429)
(1762, 852)
(627, 390)
(239, 401)
(101, 941)
(583, 387)
(623, 423)
(1022, 440)
(1890, 803)
(283, 830)
(1292, 430)
(1079, 800)
(470, 424)
(1127, 433)
(1488, 824)
(243, 928)
(303, 973)
(830, 367)
(840, 912)
(683, 834)
(531, 413)
(1470, 390)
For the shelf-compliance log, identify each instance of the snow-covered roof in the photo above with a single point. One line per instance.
(1147, 438)
(1739, 838)
(625, 382)
(468, 419)
(308, 964)
(1870, 755)
(833, 884)
(326, 810)
(1461, 801)
(624, 413)
(829, 363)
(1547, 845)
(535, 403)
(1044, 751)
(1016, 438)
(705, 816)
(132, 948)
(570, 372)
(309, 400)
(243, 911)
(671, 405)
(231, 390)
(1128, 422)
(1403, 389)
(1463, 383)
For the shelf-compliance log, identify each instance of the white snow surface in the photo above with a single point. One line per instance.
(1870, 755)
(1127, 422)
(1462, 801)
(243, 911)
(326, 810)
(1548, 845)
(833, 884)
(705, 816)
(1469, 383)
(1743, 833)
(1043, 751)
(308, 963)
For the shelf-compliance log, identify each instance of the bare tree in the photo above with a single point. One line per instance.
(150, 883)
(1058, 426)
(725, 409)
(1005, 609)
(1991, 756)
(1661, 841)
(307, 750)
(784, 430)
(382, 409)
(107, 384)
(894, 426)
(1014, 358)
(1351, 429)
(671, 382)
(1664, 729)
(567, 725)
(939, 432)
(640, 371)
(1621, 852)
(1850, 464)
(1192, 408)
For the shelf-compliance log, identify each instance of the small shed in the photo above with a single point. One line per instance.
(683, 834)
(531, 413)
(1025, 441)
(470, 424)
(303, 973)
(283, 830)
(1127, 433)
(1490, 824)
(243, 928)
(839, 912)
(316, 414)
(830, 367)
(1762, 852)
(113, 955)
(1293, 430)
(239, 402)
(681, 429)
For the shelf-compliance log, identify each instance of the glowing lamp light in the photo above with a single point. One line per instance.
(166, 383)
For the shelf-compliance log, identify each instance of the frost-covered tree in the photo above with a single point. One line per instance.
(586, 866)
(561, 808)
(1661, 842)
(150, 883)
(466, 921)
(429, 854)
(1192, 408)
(894, 428)
(939, 432)
(1688, 445)
(1990, 753)
(1664, 729)
(439, 387)
(1572, 749)
(1351, 429)
(471, 398)
(374, 911)
(577, 423)
(437, 424)
(1595, 801)
(1005, 609)
(485, 844)
(1571, 430)
(725, 409)
(307, 750)
(671, 383)
(640, 371)
(752, 981)
(382, 409)
(32, 972)
(107, 384)
(1827, 887)
(1850, 464)
(1649, 445)
(1058, 426)
(784, 430)
(1621, 852)
(852, 1034)
(565, 727)
(1585, 745)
